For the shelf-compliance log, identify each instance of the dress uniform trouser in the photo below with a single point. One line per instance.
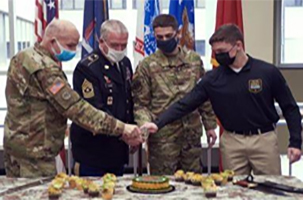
(85, 170)
(257, 153)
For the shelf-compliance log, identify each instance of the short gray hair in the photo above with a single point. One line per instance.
(112, 25)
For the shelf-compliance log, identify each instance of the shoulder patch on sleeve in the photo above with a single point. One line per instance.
(87, 89)
(56, 87)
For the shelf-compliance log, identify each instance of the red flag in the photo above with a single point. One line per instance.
(228, 11)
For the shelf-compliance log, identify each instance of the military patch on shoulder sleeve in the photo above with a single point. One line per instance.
(56, 87)
(87, 89)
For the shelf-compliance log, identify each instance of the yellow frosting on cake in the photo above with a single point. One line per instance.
(150, 182)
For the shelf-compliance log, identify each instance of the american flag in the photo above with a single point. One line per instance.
(46, 11)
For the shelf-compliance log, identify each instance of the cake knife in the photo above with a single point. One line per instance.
(208, 157)
(145, 135)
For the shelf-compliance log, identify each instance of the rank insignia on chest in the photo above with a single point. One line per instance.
(87, 89)
(110, 100)
(108, 82)
(255, 85)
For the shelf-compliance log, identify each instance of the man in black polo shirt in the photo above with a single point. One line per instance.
(242, 91)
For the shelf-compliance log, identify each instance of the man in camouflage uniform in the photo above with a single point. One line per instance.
(160, 80)
(39, 101)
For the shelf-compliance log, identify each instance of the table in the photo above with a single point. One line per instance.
(182, 192)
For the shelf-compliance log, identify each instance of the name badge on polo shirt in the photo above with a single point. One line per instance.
(255, 85)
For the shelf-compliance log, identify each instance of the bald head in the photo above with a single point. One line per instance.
(63, 32)
(60, 28)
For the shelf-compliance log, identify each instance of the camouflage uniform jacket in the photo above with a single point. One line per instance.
(39, 101)
(160, 81)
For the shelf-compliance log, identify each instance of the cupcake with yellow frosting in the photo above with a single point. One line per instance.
(187, 177)
(54, 193)
(218, 178)
(107, 192)
(108, 177)
(179, 176)
(230, 174)
(93, 189)
(209, 187)
(196, 179)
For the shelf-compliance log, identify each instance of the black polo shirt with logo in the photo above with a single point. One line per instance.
(244, 100)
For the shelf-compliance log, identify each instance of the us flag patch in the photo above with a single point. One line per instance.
(56, 87)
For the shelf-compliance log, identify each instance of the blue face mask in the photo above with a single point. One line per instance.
(64, 55)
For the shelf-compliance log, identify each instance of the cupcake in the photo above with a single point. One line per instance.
(85, 184)
(107, 192)
(54, 193)
(196, 179)
(225, 178)
(230, 174)
(179, 175)
(93, 190)
(209, 187)
(210, 191)
(207, 181)
(109, 177)
(72, 181)
(187, 177)
(75, 182)
(58, 183)
(217, 178)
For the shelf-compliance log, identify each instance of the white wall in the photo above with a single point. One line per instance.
(4, 5)
(258, 20)
(24, 8)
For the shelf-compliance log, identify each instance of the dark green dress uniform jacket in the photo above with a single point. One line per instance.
(107, 88)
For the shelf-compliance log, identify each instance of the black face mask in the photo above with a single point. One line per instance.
(167, 46)
(224, 58)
